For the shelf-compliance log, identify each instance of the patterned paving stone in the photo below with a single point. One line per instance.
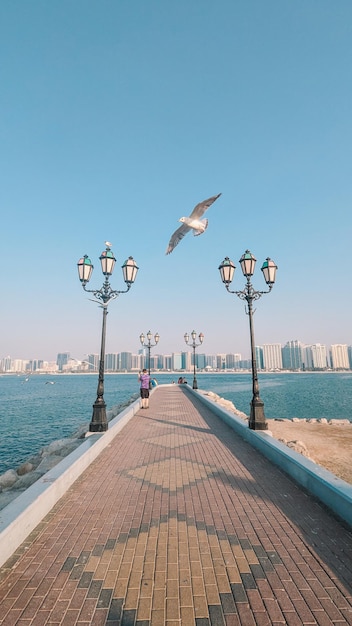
(180, 521)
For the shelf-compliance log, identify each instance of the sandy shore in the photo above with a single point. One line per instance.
(328, 445)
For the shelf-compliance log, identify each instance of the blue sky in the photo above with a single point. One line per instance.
(118, 116)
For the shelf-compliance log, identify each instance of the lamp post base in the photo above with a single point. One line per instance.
(99, 423)
(257, 419)
(195, 384)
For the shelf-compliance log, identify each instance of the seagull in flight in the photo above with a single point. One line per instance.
(193, 222)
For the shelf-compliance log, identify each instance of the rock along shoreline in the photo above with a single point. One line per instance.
(13, 482)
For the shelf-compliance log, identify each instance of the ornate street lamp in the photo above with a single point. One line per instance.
(149, 345)
(257, 419)
(194, 345)
(102, 297)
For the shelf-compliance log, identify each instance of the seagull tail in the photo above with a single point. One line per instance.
(205, 226)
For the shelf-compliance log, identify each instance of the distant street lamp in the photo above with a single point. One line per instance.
(194, 345)
(102, 297)
(257, 419)
(149, 345)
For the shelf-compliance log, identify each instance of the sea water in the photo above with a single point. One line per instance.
(36, 410)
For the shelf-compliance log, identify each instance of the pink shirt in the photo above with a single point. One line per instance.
(144, 380)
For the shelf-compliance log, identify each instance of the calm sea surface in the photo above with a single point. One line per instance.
(35, 412)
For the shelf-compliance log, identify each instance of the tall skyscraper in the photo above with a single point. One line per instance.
(200, 361)
(6, 364)
(18, 365)
(292, 355)
(186, 360)
(62, 360)
(349, 351)
(37, 364)
(210, 361)
(339, 357)
(111, 361)
(168, 361)
(137, 363)
(221, 361)
(93, 360)
(317, 357)
(160, 365)
(233, 361)
(144, 357)
(176, 361)
(272, 356)
(259, 357)
(124, 361)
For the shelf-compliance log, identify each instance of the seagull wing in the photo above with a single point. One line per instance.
(200, 208)
(177, 236)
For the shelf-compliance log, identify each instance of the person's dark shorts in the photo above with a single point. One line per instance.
(144, 393)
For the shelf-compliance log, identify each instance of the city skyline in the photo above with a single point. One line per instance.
(293, 355)
(118, 118)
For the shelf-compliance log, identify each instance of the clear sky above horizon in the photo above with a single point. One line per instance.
(119, 116)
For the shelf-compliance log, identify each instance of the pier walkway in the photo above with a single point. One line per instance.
(180, 521)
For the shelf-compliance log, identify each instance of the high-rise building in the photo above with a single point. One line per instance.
(153, 361)
(6, 364)
(210, 361)
(176, 361)
(18, 365)
(137, 362)
(37, 364)
(316, 357)
(124, 361)
(111, 360)
(259, 357)
(339, 357)
(221, 361)
(168, 361)
(144, 357)
(292, 355)
(200, 361)
(349, 351)
(160, 365)
(232, 361)
(62, 359)
(246, 364)
(93, 360)
(186, 360)
(272, 354)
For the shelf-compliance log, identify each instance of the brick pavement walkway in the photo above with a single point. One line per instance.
(180, 521)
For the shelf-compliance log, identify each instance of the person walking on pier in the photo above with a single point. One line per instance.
(144, 380)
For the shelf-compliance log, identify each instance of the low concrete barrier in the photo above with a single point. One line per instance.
(22, 515)
(333, 492)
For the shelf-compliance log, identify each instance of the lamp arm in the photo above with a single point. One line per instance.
(105, 294)
(248, 293)
(195, 345)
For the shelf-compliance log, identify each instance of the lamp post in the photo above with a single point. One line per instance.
(257, 419)
(102, 297)
(149, 345)
(194, 345)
